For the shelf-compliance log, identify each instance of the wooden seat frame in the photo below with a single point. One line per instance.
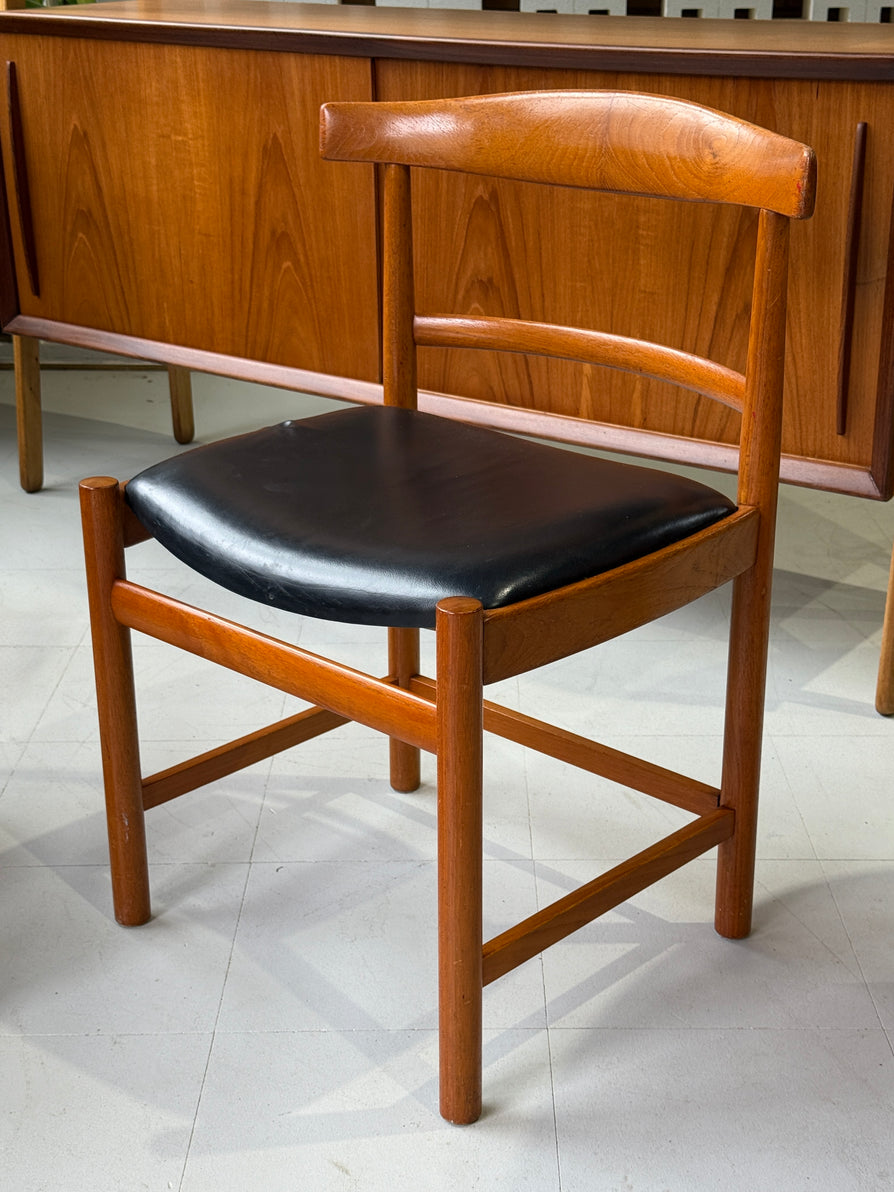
(617, 142)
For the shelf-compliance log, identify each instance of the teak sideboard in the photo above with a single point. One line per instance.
(165, 198)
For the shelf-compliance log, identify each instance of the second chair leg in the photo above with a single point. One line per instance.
(116, 702)
(460, 751)
(884, 692)
(180, 386)
(29, 422)
(403, 663)
(746, 682)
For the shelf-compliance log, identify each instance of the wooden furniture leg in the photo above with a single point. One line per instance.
(884, 692)
(29, 423)
(26, 363)
(460, 752)
(116, 702)
(741, 761)
(181, 403)
(403, 664)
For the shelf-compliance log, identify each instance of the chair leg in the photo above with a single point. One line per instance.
(116, 702)
(746, 683)
(180, 384)
(460, 715)
(26, 363)
(884, 692)
(403, 663)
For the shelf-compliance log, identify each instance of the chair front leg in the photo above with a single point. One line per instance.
(460, 749)
(116, 702)
(403, 663)
(746, 683)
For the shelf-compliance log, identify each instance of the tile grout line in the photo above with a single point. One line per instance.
(223, 988)
(771, 739)
(552, 1089)
(866, 984)
(546, 1022)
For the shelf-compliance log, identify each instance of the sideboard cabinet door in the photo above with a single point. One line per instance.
(177, 194)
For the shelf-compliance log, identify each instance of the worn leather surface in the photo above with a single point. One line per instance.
(372, 515)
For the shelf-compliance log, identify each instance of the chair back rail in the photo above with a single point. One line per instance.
(588, 347)
(618, 141)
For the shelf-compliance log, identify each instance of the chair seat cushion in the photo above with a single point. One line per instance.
(374, 514)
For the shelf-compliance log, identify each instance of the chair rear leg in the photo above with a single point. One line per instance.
(403, 663)
(182, 418)
(29, 423)
(460, 715)
(116, 702)
(746, 683)
(884, 692)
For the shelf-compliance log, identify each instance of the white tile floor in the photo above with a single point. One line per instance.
(273, 1026)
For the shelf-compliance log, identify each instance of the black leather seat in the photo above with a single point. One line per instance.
(373, 515)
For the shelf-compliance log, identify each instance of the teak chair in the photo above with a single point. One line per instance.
(516, 553)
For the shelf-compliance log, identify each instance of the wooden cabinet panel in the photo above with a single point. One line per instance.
(574, 257)
(178, 195)
(178, 198)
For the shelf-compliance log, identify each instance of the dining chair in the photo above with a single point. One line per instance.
(515, 552)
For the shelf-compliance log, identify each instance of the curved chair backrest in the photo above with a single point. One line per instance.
(612, 141)
(617, 141)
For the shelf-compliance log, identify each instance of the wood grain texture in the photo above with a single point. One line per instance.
(797, 469)
(579, 276)
(544, 628)
(592, 756)
(262, 371)
(198, 170)
(348, 692)
(399, 381)
(490, 221)
(507, 951)
(884, 691)
(460, 869)
(29, 417)
(768, 49)
(599, 140)
(180, 391)
(750, 613)
(101, 503)
(236, 755)
(403, 665)
(587, 347)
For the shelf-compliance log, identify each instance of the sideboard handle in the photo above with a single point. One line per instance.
(849, 287)
(20, 175)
